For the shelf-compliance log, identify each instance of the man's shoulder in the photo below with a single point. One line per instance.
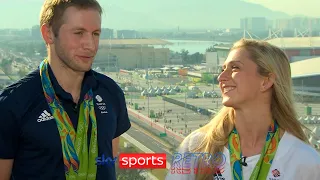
(107, 82)
(22, 90)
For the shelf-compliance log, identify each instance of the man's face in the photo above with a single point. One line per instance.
(78, 39)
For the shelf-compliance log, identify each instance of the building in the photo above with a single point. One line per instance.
(212, 62)
(127, 34)
(306, 75)
(254, 24)
(222, 52)
(35, 32)
(115, 54)
(282, 24)
(296, 48)
(299, 23)
(107, 33)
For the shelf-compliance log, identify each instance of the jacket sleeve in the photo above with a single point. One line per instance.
(123, 122)
(9, 131)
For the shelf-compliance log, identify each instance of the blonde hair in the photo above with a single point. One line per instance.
(52, 11)
(269, 59)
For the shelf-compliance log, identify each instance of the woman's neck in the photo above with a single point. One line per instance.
(252, 126)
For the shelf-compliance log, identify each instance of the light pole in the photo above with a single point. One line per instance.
(185, 110)
(147, 75)
(148, 101)
(213, 81)
(131, 92)
(185, 101)
(164, 107)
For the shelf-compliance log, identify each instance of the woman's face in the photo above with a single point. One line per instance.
(240, 82)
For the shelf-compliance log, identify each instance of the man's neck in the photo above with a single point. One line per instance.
(68, 79)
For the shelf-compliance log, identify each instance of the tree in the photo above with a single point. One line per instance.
(42, 49)
(29, 50)
(6, 62)
(22, 72)
(211, 49)
(184, 55)
(196, 58)
(6, 66)
(19, 48)
(124, 174)
(207, 77)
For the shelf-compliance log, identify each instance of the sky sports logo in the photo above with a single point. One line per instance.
(135, 161)
(105, 161)
(181, 162)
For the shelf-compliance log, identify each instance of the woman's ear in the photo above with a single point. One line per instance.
(267, 82)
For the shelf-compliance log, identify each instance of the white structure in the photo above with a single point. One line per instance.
(212, 62)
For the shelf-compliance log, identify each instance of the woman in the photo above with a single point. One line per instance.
(257, 130)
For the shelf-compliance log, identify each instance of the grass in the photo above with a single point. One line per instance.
(121, 142)
(133, 148)
(159, 173)
(14, 77)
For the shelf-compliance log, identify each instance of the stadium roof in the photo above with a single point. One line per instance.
(296, 42)
(287, 43)
(134, 42)
(308, 67)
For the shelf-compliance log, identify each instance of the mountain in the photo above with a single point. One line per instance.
(142, 14)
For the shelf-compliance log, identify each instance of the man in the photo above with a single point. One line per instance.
(56, 121)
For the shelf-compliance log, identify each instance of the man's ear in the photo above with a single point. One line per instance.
(267, 82)
(47, 34)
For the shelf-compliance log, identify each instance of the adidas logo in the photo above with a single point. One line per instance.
(45, 116)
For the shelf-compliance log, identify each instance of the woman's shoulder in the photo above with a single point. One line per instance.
(192, 141)
(299, 148)
(299, 158)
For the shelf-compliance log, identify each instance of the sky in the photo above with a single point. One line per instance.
(292, 7)
(25, 13)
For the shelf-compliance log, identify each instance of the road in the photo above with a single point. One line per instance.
(149, 142)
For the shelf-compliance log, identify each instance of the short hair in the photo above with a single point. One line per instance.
(53, 10)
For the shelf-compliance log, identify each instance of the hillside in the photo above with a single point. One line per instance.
(141, 14)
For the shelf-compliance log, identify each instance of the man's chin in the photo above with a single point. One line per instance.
(82, 69)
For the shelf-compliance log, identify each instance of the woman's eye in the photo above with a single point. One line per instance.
(235, 67)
